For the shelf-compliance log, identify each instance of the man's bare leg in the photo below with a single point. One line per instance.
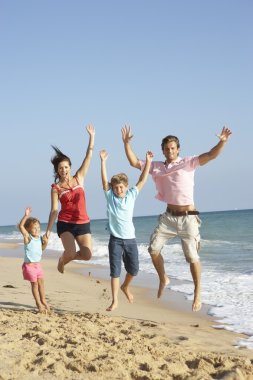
(158, 263)
(115, 291)
(125, 287)
(196, 274)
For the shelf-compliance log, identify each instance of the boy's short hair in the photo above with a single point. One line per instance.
(119, 178)
(30, 221)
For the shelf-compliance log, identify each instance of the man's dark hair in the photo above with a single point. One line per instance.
(170, 138)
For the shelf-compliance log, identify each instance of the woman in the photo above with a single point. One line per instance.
(73, 223)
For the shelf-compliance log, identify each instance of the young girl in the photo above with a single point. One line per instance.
(73, 225)
(32, 269)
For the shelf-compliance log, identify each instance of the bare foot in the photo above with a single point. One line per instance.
(60, 265)
(196, 305)
(113, 306)
(47, 307)
(127, 293)
(41, 310)
(163, 285)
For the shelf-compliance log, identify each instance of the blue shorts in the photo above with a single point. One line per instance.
(74, 229)
(128, 251)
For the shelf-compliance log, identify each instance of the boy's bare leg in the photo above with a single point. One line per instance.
(125, 287)
(158, 263)
(36, 295)
(196, 273)
(115, 292)
(42, 294)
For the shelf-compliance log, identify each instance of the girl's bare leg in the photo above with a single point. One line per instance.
(36, 296)
(115, 291)
(42, 294)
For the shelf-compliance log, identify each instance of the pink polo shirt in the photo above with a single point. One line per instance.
(175, 181)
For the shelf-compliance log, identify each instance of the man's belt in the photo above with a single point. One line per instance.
(182, 213)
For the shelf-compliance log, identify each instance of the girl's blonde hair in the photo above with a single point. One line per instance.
(30, 221)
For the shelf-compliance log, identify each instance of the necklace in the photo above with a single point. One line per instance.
(67, 184)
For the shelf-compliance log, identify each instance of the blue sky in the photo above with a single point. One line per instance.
(164, 67)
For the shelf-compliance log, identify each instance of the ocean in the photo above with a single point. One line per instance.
(226, 256)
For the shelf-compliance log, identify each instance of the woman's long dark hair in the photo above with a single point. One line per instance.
(57, 159)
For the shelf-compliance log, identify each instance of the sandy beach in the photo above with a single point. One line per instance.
(147, 340)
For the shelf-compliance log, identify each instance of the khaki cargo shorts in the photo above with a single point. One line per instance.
(185, 227)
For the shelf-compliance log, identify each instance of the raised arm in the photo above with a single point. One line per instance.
(82, 171)
(145, 172)
(131, 156)
(21, 225)
(217, 149)
(103, 157)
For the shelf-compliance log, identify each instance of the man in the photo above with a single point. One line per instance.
(174, 180)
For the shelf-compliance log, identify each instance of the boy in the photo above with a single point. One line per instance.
(122, 243)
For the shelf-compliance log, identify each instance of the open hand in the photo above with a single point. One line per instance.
(90, 129)
(28, 211)
(126, 134)
(225, 133)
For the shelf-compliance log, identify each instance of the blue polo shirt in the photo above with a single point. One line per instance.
(120, 213)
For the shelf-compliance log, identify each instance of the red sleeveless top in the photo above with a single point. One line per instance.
(73, 204)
